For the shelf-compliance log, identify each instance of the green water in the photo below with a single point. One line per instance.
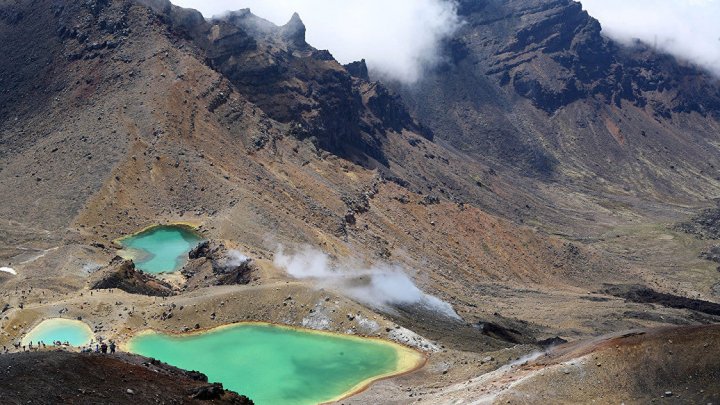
(274, 365)
(162, 249)
(76, 333)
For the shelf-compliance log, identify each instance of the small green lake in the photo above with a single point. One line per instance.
(161, 249)
(275, 365)
(76, 333)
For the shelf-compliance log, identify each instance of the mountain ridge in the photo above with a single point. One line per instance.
(535, 87)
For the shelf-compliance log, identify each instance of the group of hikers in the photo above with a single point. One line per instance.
(30, 347)
(100, 347)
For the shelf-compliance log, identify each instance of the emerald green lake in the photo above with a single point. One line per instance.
(162, 249)
(277, 365)
(76, 333)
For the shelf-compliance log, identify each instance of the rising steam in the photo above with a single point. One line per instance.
(381, 287)
(236, 259)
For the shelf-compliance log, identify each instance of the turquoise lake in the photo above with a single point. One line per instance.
(77, 333)
(275, 365)
(161, 249)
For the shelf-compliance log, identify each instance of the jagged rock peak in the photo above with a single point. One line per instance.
(186, 19)
(294, 31)
(159, 6)
(245, 19)
(358, 69)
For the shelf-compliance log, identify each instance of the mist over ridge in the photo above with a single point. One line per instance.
(687, 29)
(402, 39)
(398, 39)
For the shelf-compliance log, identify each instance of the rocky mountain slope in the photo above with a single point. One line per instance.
(535, 196)
(142, 126)
(536, 87)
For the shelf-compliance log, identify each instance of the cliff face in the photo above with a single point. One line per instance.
(558, 56)
(535, 86)
(296, 84)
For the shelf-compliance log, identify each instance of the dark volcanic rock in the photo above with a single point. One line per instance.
(704, 226)
(358, 69)
(62, 377)
(389, 108)
(216, 392)
(294, 32)
(121, 274)
(499, 332)
(10, 14)
(550, 342)
(211, 263)
(642, 294)
(201, 250)
(713, 254)
(290, 83)
(534, 86)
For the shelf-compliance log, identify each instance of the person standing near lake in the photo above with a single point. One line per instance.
(112, 347)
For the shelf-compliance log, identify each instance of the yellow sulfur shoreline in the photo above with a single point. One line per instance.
(190, 225)
(409, 360)
(48, 323)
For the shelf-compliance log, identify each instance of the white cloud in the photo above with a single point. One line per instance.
(689, 29)
(398, 38)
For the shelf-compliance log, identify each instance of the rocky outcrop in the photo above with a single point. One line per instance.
(392, 114)
(293, 33)
(63, 377)
(216, 392)
(706, 225)
(712, 254)
(211, 263)
(499, 332)
(358, 69)
(121, 274)
(561, 38)
(642, 294)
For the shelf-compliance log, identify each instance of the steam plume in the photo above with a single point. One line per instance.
(236, 259)
(380, 287)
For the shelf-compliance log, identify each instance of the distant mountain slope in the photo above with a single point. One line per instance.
(533, 85)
